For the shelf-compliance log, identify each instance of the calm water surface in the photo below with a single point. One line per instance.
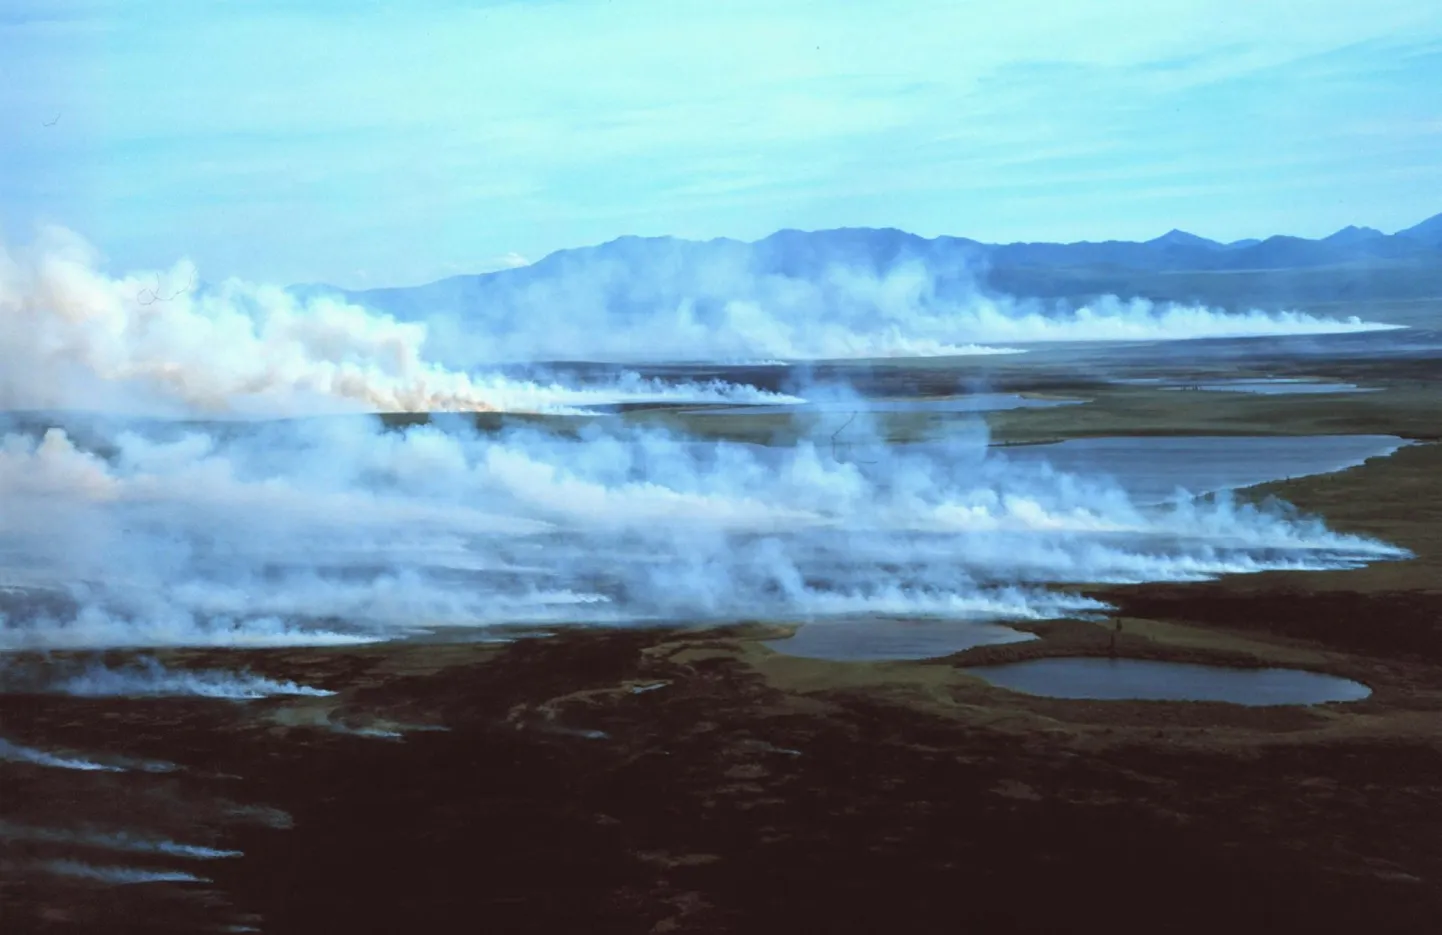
(875, 640)
(1150, 680)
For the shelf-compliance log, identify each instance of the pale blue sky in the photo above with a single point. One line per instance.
(379, 143)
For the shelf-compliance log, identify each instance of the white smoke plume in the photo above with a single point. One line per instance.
(330, 531)
(76, 338)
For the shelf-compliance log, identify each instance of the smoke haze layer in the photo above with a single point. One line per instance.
(637, 300)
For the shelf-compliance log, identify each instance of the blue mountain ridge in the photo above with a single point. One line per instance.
(634, 270)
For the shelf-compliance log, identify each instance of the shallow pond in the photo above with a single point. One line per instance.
(1150, 680)
(876, 640)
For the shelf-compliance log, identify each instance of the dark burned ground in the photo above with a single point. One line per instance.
(750, 793)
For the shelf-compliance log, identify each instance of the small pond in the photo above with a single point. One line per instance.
(878, 640)
(1151, 680)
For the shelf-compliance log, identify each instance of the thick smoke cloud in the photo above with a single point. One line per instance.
(336, 531)
(344, 532)
(75, 338)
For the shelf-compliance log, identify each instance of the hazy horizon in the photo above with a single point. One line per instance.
(401, 143)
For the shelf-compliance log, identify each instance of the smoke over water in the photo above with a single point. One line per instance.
(333, 531)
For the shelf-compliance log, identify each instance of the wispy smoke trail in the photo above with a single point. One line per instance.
(719, 306)
(15, 753)
(1111, 319)
(114, 841)
(148, 678)
(119, 876)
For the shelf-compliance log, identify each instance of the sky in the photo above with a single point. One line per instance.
(380, 143)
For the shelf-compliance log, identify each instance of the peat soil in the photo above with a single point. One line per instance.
(683, 781)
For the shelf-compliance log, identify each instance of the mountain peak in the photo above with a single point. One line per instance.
(1353, 234)
(1181, 238)
(802, 253)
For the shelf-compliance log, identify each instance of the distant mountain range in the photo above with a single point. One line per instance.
(1355, 263)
